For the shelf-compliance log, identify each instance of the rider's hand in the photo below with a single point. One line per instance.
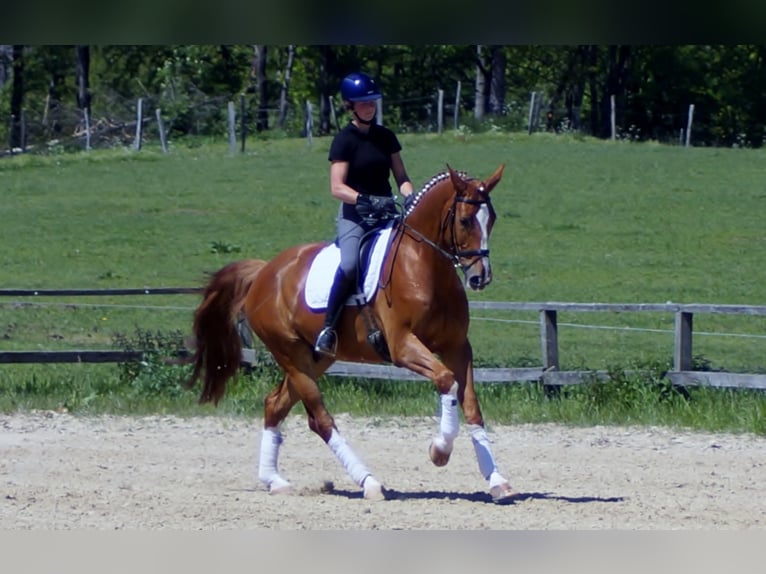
(375, 205)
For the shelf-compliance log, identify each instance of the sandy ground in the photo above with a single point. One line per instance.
(59, 471)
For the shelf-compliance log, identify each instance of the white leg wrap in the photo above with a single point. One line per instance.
(271, 439)
(449, 423)
(348, 458)
(484, 456)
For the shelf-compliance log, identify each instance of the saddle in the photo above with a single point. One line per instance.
(322, 271)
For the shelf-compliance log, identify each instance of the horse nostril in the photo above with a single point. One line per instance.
(475, 282)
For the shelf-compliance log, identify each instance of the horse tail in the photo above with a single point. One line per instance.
(218, 346)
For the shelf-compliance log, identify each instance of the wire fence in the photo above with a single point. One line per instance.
(588, 326)
(54, 126)
(686, 370)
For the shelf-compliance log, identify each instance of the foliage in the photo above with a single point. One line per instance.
(653, 88)
(157, 372)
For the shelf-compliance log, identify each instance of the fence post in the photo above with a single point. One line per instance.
(86, 116)
(333, 115)
(309, 122)
(232, 128)
(549, 339)
(23, 130)
(440, 110)
(531, 112)
(613, 116)
(139, 123)
(457, 106)
(161, 130)
(242, 122)
(689, 124)
(379, 111)
(682, 355)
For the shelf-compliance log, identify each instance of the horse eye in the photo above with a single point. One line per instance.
(465, 221)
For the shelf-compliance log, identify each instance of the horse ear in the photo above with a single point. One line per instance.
(494, 178)
(457, 182)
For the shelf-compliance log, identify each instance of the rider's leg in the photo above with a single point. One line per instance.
(349, 239)
(341, 288)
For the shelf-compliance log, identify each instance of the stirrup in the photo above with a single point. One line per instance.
(327, 342)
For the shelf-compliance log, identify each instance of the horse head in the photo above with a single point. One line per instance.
(469, 223)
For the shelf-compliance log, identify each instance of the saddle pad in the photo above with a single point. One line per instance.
(322, 272)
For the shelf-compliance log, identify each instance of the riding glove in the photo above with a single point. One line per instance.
(375, 208)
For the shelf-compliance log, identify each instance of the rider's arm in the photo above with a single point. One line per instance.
(338, 187)
(400, 174)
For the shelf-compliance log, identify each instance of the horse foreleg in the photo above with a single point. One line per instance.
(276, 406)
(461, 361)
(449, 427)
(412, 354)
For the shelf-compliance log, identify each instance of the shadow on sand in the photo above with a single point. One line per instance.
(484, 497)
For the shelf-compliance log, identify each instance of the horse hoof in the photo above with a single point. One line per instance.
(438, 457)
(280, 486)
(373, 490)
(503, 493)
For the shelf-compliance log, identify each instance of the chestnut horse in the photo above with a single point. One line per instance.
(420, 307)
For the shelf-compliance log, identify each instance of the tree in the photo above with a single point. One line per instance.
(6, 63)
(285, 86)
(480, 97)
(17, 95)
(497, 80)
(261, 87)
(83, 77)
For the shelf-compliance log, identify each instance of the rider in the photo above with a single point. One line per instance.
(362, 156)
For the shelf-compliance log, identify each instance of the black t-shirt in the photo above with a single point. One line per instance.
(368, 156)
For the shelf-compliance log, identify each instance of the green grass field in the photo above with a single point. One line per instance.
(579, 220)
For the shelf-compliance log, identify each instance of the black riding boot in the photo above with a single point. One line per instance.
(327, 341)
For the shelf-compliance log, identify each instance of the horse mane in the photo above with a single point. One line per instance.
(429, 185)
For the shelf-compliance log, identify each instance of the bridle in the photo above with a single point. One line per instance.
(455, 255)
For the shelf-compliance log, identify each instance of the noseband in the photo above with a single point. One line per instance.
(455, 255)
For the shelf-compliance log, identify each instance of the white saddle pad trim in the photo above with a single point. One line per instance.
(322, 272)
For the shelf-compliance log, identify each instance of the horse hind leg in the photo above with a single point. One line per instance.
(268, 473)
(322, 423)
(276, 407)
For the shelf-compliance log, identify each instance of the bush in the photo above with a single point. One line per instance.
(157, 372)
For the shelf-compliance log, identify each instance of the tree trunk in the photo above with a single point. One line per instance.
(17, 95)
(326, 68)
(497, 80)
(569, 88)
(83, 77)
(286, 86)
(262, 116)
(614, 86)
(480, 96)
(6, 63)
(592, 58)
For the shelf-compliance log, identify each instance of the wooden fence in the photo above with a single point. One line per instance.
(548, 372)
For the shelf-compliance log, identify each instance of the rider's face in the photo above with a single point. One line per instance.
(365, 110)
